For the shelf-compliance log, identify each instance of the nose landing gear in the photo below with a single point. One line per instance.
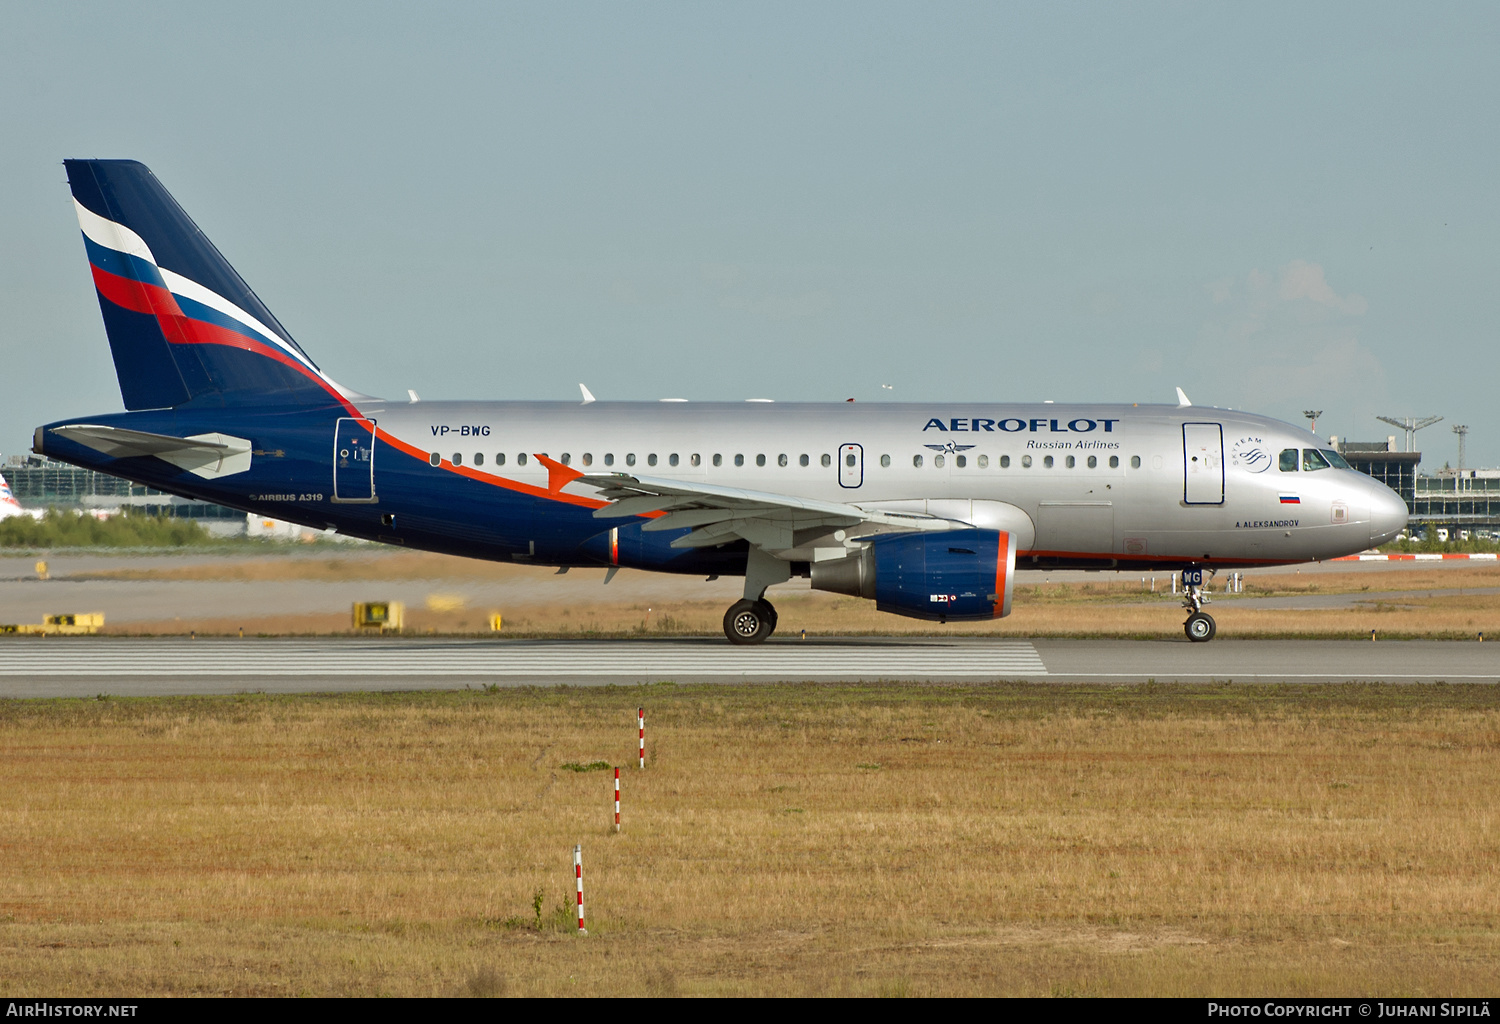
(1200, 626)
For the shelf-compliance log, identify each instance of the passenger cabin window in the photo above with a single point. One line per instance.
(960, 461)
(1071, 462)
(984, 462)
(1005, 462)
(500, 458)
(435, 459)
(1026, 462)
(1114, 462)
(885, 462)
(1093, 462)
(695, 459)
(739, 460)
(938, 461)
(916, 460)
(479, 458)
(1289, 460)
(1312, 459)
(849, 460)
(566, 460)
(718, 460)
(630, 459)
(802, 460)
(651, 459)
(781, 460)
(588, 458)
(672, 459)
(1047, 461)
(521, 459)
(458, 459)
(1135, 462)
(760, 460)
(827, 461)
(609, 458)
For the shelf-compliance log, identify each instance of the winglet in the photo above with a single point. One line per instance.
(413, 395)
(1182, 400)
(588, 396)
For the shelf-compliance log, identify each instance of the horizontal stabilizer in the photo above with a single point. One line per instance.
(205, 455)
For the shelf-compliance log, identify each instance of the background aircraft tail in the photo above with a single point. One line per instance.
(9, 506)
(182, 325)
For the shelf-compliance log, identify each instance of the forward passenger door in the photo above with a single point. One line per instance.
(1203, 463)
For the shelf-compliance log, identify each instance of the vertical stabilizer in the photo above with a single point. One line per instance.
(183, 326)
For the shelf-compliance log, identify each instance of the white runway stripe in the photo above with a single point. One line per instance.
(248, 658)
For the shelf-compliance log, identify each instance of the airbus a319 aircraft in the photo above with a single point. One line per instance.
(929, 509)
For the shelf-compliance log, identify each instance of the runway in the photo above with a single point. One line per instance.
(149, 666)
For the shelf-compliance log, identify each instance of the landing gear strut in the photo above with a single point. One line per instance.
(753, 620)
(1200, 626)
(749, 622)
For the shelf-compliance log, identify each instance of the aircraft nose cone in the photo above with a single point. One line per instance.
(1388, 515)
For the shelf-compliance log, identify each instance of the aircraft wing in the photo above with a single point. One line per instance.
(717, 515)
(205, 455)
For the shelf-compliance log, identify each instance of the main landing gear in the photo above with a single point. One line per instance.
(753, 620)
(750, 622)
(1200, 626)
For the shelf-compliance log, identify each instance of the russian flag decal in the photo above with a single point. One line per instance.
(1290, 499)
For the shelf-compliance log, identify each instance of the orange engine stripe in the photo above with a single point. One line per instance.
(1001, 552)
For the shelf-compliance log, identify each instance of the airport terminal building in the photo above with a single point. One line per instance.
(39, 482)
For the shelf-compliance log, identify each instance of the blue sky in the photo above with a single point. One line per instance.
(1276, 207)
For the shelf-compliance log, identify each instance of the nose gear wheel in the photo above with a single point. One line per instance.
(1200, 627)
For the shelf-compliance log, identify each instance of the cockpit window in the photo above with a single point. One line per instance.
(1289, 461)
(1334, 459)
(1312, 459)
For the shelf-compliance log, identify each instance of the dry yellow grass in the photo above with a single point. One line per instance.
(828, 615)
(783, 840)
(1105, 607)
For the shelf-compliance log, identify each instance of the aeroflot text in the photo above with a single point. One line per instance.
(975, 424)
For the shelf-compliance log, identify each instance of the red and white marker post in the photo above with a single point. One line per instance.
(640, 717)
(617, 799)
(578, 873)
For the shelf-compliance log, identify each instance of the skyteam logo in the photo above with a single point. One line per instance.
(950, 448)
(1249, 453)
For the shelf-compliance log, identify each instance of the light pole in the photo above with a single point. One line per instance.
(1312, 415)
(1462, 430)
(1410, 424)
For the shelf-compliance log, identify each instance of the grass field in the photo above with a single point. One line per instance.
(783, 840)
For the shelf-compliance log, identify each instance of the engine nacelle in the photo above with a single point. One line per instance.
(953, 574)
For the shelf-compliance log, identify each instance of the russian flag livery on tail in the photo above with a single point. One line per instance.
(182, 324)
(223, 405)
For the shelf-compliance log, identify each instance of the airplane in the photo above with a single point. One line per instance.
(9, 506)
(928, 509)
